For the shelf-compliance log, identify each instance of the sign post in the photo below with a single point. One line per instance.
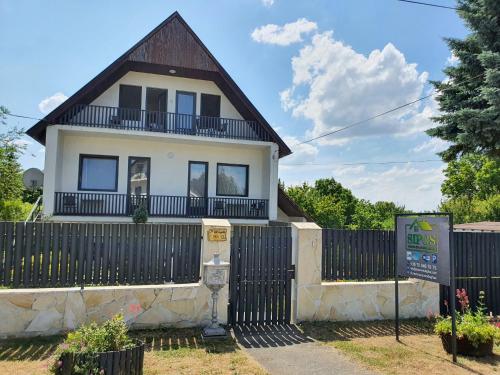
(424, 251)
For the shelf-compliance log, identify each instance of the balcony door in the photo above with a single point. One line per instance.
(156, 108)
(197, 189)
(185, 112)
(138, 182)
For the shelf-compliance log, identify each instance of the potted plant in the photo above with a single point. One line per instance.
(104, 349)
(140, 215)
(476, 334)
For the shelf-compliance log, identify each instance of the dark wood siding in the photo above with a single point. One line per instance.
(173, 45)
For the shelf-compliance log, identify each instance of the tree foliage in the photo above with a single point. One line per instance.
(12, 206)
(331, 205)
(472, 176)
(472, 189)
(469, 98)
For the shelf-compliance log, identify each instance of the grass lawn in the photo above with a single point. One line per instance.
(420, 352)
(170, 351)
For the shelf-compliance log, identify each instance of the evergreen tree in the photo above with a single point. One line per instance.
(470, 98)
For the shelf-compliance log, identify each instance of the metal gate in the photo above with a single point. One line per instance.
(261, 274)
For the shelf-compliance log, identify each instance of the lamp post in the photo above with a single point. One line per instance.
(215, 276)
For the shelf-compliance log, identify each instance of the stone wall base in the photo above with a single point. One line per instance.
(34, 312)
(350, 301)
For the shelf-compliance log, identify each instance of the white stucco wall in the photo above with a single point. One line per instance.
(172, 84)
(169, 155)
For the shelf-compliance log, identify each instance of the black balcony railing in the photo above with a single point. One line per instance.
(164, 122)
(109, 204)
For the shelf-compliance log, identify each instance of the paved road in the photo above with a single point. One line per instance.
(284, 350)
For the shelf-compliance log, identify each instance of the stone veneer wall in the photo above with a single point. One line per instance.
(49, 311)
(32, 312)
(343, 301)
(313, 299)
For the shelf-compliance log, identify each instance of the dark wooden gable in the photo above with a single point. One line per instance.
(172, 45)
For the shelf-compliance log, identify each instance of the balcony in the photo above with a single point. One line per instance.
(163, 122)
(108, 204)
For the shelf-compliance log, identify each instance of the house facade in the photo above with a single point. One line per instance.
(163, 127)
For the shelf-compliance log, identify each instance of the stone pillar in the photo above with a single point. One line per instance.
(223, 248)
(306, 254)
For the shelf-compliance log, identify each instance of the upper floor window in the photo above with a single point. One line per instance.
(129, 101)
(210, 105)
(232, 180)
(98, 173)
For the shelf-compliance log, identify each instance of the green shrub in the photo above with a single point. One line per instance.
(140, 215)
(15, 210)
(473, 325)
(89, 340)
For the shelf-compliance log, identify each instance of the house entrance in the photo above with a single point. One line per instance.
(261, 275)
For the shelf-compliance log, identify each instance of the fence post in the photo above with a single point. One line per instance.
(223, 248)
(306, 256)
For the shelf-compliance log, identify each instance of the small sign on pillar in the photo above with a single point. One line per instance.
(217, 234)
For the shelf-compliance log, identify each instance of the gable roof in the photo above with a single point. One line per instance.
(171, 45)
(288, 205)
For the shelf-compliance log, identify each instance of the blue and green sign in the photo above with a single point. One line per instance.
(423, 248)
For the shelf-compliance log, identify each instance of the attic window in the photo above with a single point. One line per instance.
(130, 102)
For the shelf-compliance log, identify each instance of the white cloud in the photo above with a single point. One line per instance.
(452, 59)
(304, 153)
(50, 103)
(267, 3)
(283, 35)
(348, 170)
(334, 86)
(416, 188)
(433, 145)
(22, 142)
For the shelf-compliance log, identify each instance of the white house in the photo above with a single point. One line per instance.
(166, 127)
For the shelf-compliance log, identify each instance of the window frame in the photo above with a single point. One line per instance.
(92, 156)
(189, 176)
(187, 93)
(206, 96)
(247, 168)
(122, 86)
(129, 193)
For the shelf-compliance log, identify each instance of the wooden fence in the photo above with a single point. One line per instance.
(358, 254)
(369, 255)
(68, 254)
(477, 256)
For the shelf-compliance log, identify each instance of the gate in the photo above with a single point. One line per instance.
(260, 276)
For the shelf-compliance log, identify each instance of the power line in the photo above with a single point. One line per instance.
(366, 163)
(428, 4)
(365, 120)
(26, 117)
(381, 114)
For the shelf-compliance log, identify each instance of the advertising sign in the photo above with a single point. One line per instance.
(423, 246)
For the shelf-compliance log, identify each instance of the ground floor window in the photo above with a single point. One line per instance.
(98, 172)
(232, 180)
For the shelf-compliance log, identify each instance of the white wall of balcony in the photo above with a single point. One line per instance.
(172, 84)
(169, 161)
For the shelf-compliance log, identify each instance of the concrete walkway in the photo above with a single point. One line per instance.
(284, 350)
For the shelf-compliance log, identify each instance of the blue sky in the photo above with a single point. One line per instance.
(308, 66)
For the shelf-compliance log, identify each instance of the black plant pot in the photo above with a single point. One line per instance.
(122, 362)
(465, 347)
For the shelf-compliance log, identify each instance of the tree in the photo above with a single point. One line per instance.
(11, 185)
(470, 98)
(472, 189)
(331, 205)
(472, 176)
